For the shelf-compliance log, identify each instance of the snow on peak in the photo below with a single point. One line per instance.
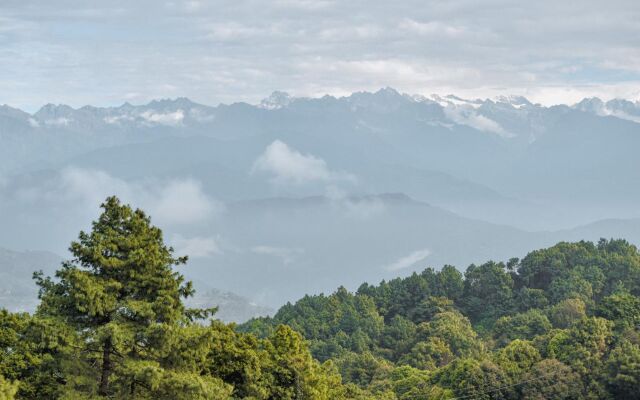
(514, 101)
(454, 101)
(276, 101)
(619, 108)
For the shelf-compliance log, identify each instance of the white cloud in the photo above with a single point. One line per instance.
(469, 117)
(559, 94)
(171, 118)
(409, 260)
(546, 50)
(184, 202)
(232, 31)
(175, 202)
(192, 6)
(288, 255)
(365, 32)
(430, 28)
(623, 115)
(115, 119)
(61, 121)
(356, 207)
(195, 247)
(603, 109)
(287, 165)
(89, 186)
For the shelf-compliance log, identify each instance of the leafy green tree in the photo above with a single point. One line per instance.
(123, 298)
(623, 371)
(487, 292)
(517, 358)
(528, 298)
(410, 383)
(541, 267)
(583, 347)
(521, 326)
(550, 379)
(428, 355)
(398, 337)
(621, 307)
(238, 359)
(604, 266)
(431, 306)
(470, 378)
(621, 263)
(450, 283)
(353, 317)
(455, 330)
(37, 352)
(568, 312)
(15, 353)
(8, 389)
(295, 374)
(423, 323)
(354, 392)
(362, 369)
(571, 284)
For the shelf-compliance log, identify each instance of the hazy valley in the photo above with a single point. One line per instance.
(301, 195)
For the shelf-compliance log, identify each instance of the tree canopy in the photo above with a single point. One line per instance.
(562, 322)
(112, 324)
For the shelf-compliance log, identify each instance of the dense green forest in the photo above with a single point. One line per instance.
(562, 323)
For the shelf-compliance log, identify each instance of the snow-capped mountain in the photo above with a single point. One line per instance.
(474, 156)
(507, 116)
(291, 190)
(618, 108)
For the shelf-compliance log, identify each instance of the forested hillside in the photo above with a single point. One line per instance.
(295, 190)
(562, 323)
(112, 324)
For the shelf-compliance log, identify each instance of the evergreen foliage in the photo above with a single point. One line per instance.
(562, 323)
(112, 324)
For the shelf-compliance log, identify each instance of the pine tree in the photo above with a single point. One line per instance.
(122, 296)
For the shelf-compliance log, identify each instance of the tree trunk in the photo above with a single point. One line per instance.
(103, 390)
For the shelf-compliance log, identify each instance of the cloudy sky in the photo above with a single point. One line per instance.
(107, 52)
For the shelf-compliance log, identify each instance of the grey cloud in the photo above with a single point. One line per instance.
(77, 52)
(172, 203)
(287, 255)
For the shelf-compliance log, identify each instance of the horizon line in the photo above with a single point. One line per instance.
(418, 97)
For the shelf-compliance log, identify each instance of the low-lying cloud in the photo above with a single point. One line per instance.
(409, 260)
(171, 118)
(469, 117)
(195, 247)
(355, 207)
(173, 202)
(184, 202)
(287, 165)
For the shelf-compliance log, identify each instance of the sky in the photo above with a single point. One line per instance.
(107, 52)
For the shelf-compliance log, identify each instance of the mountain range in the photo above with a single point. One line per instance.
(297, 195)
(481, 158)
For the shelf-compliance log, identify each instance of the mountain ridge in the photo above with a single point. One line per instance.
(617, 107)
